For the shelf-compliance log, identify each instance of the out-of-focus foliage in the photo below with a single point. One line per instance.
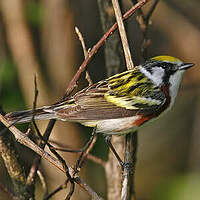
(179, 188)
(10, 94)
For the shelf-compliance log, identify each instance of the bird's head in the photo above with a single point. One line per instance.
(165, 70)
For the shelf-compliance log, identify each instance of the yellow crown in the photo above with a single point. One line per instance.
(167, 59)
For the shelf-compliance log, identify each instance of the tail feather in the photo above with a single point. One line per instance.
(27, 115)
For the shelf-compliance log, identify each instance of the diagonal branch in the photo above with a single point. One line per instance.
(95, 48)
(127, 53)
(23, 139)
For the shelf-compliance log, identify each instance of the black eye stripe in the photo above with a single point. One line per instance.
(168, 67)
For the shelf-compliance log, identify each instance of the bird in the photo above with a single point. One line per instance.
(121, 103)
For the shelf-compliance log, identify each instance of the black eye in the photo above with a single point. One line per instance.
(169, 68)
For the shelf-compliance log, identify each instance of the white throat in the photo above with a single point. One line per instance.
(175, 81)
(157, 77)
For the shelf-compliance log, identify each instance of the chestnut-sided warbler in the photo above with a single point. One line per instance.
(121, 103)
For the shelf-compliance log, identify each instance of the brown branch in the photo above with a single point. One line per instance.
(23, 139)
(128, 192)
(87, 188)
(43, 182)
(95, 48)
(42, 140)
(144, 22)
(127, 53)
(67, 148)
(113, 170)
(114, 60)
(36, 162)
(87, 76)
(130, 144)
(59, 188)
(14, 166)
(87, 148)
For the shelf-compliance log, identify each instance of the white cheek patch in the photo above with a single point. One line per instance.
(156, 76)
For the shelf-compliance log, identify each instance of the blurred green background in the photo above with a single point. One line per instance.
(37, 37)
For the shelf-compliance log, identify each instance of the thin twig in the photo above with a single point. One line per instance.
(88, 147)
(67, 148)
(127, 53)
(87, 188)
(43, 182)
(62, 161)
(144, 22)
(95, 48)
(150, 12)
(23, 139)
(80, 36)
(59, 188)
(71, 191)
(66, 170)
(42, 144)
(33, 170)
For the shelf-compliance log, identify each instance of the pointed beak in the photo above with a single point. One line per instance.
(185, 66)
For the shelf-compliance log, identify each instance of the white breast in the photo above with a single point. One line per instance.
(175, 81)
(114, 126)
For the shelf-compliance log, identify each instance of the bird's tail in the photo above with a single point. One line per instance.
(27, 115)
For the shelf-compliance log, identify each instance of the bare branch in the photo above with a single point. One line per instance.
(23, 139)
(14, 165)
(87, 148)
(78, 151)
(59, 188)
(129, 169)
(95, 48)
(87, 188)
(87, 76)
(127, 53)
(43, 182)
(144, 22)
